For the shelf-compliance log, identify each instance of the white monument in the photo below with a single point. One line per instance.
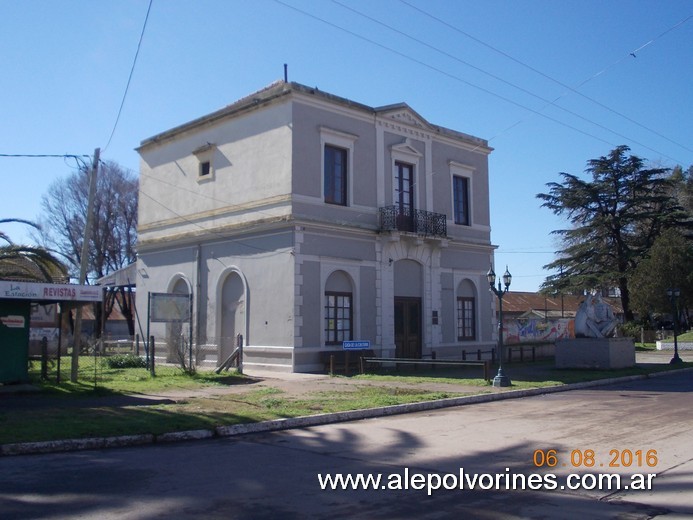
(595, 318)
(594, 345)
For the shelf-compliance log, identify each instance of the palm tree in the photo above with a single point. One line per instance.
(28, 263)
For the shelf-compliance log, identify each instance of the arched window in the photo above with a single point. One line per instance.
(339, 309)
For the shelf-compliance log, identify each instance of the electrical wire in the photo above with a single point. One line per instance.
(558, 82)
(459, 79)
(79, 159)
(217, 233)
(443, 72)
(132, 70)
(43, 155)
(498, 78)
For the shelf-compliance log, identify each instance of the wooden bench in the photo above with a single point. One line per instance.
(486, 364)
(345, 361)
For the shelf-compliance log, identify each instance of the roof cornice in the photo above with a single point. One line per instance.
(280, 89)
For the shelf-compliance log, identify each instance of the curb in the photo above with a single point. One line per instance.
(236, 430)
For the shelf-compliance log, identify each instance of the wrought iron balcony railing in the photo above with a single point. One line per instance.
(396, 218)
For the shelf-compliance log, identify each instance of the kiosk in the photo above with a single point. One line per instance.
(15, 309)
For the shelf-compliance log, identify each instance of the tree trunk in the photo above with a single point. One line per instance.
(625, 299)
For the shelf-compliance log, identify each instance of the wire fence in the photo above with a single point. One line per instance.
(98, 358)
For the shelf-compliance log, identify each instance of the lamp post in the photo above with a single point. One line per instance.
(501, 379)
(673, 295)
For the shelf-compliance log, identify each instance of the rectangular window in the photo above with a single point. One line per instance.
(335, 180)
(338, 318)
(205, 168)
(465, 319)
(461, 200)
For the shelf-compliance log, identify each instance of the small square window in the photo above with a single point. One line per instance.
(205, 155)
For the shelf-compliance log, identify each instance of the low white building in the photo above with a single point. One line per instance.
(300, 219)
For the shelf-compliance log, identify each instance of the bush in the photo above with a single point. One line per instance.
(126, 361)
(630, 329)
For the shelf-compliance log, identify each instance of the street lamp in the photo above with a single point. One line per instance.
(501, 379)
(673, 295)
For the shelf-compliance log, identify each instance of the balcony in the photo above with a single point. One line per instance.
(396, 218)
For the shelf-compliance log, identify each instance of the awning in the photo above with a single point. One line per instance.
(124, 277)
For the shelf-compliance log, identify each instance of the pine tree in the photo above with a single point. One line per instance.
(615, 218)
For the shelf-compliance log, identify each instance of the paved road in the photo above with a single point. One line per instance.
(275, 475)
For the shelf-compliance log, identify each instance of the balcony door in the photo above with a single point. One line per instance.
(404, 196)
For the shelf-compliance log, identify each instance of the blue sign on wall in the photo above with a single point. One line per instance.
(356, 345)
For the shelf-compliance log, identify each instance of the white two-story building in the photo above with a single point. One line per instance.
(301, 219)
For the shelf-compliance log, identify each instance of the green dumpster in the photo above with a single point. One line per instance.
(14, 340)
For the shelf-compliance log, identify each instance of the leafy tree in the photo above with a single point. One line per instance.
(30, 263)
(114, 232)
(682, 190)
(616, 217)
(668, 265)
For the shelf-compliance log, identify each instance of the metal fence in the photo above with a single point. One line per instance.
(160, 355)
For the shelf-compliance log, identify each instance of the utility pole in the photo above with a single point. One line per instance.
(84, 263)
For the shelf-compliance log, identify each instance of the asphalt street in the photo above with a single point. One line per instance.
(643, 426)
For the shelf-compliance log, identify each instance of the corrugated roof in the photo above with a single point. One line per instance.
(521, 302)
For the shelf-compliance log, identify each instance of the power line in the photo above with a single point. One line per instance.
(212, 231)
(443, 72)
(79, 159)
(132, 70)
(459, 79)
(558, 82)
(43, 155)
(498, 78)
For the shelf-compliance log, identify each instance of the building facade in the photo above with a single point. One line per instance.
(301, 219)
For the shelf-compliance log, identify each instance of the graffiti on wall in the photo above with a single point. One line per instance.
(526, 330)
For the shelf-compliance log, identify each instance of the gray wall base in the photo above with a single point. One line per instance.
(602, 353)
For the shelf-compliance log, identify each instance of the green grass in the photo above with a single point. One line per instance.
(110, 402)
(95, 375)
(688, 336)
(532, 375)
(59, 419)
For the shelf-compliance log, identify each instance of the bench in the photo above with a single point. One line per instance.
(345, 361)
(486, 364)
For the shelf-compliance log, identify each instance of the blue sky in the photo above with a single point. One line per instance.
(550, 83)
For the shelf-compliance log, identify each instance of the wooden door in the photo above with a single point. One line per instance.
(408, 327)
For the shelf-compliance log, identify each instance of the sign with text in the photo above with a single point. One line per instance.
(49, 291)
(13, 322)
(356, 345)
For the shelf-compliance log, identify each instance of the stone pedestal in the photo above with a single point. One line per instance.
(600, 353)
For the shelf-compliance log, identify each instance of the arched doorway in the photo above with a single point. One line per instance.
(178, 333)
(408, 309)
(233, 313)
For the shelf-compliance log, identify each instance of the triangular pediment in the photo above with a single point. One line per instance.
(406, 147)
(402, 113)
